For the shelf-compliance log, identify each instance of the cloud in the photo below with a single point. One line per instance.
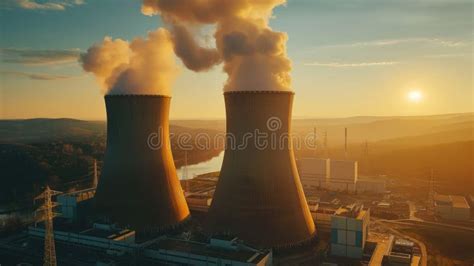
(359, 64)
(448, 55)
(35, 5)
(391, 42)
(39, 57)
(36, 76)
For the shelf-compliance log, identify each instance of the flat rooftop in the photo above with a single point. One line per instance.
(63, 226)
(453, 200)
(205, 249)
(459, 202)
(101, 233)
(356, 212)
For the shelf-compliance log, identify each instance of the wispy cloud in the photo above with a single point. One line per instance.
(346, 65)
(391, 42)
(36, 76)
(449, 55)
(41, 5)
(38, 57)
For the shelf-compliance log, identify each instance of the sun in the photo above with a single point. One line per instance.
(415, 96)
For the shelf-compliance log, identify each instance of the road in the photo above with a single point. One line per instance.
(424, 252)
(428, 224)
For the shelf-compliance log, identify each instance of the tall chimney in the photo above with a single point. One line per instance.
(259, 196)
(138, 185)
(345, 142)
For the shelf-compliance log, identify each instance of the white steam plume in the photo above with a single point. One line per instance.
(146, 66)
(254, 55)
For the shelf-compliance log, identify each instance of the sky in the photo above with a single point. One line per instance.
(349, 58)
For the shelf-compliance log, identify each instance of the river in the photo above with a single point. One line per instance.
(212, 165)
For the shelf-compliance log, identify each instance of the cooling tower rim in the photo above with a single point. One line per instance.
(136, 95)
(259, 92)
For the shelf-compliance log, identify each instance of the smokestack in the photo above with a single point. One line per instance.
(345, 142)
(139, 186)
(259, 197)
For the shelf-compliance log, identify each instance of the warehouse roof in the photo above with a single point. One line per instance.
(459, 202)
(453, 200)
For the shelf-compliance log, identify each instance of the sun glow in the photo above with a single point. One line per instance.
(415, 96)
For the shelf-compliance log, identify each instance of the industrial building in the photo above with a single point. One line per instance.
(349, 231)
(314, 171)
(218, 251)
(343, 176)
(322, 218)
(370, 185)
(74, 206)
(118, 244)
(139, 186)
(259, 197)
(401, 252)
(337, 175)
(452, 207)
(103, 236)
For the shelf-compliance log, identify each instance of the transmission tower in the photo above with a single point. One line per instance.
(47, 216)
(345, 143)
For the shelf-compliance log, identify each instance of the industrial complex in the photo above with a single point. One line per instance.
(264, 206)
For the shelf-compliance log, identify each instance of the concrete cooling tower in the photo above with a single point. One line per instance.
(259, 196)
(138, 186)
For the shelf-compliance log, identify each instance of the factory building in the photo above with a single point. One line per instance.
(259, 197)
(115, 243)
(343, 176)
(139, 186)
(74, 206)
(370, 185)
(452, 207)
(314, 172)
(102, 236)
(218, 251)
(349, 231)
(322, 218)
(336, 175)
(401, 252)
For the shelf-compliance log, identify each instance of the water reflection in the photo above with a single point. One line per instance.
(212, 165)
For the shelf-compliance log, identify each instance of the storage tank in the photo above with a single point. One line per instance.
(259, 197)
(138, 186)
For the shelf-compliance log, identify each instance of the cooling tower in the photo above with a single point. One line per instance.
(259, 197)
(138, 186)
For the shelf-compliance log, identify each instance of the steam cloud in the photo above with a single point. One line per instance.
(254, 55)
(144, 66)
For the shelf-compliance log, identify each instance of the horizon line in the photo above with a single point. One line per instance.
(224, 118)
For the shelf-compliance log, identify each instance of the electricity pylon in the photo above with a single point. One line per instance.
(47, 217)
